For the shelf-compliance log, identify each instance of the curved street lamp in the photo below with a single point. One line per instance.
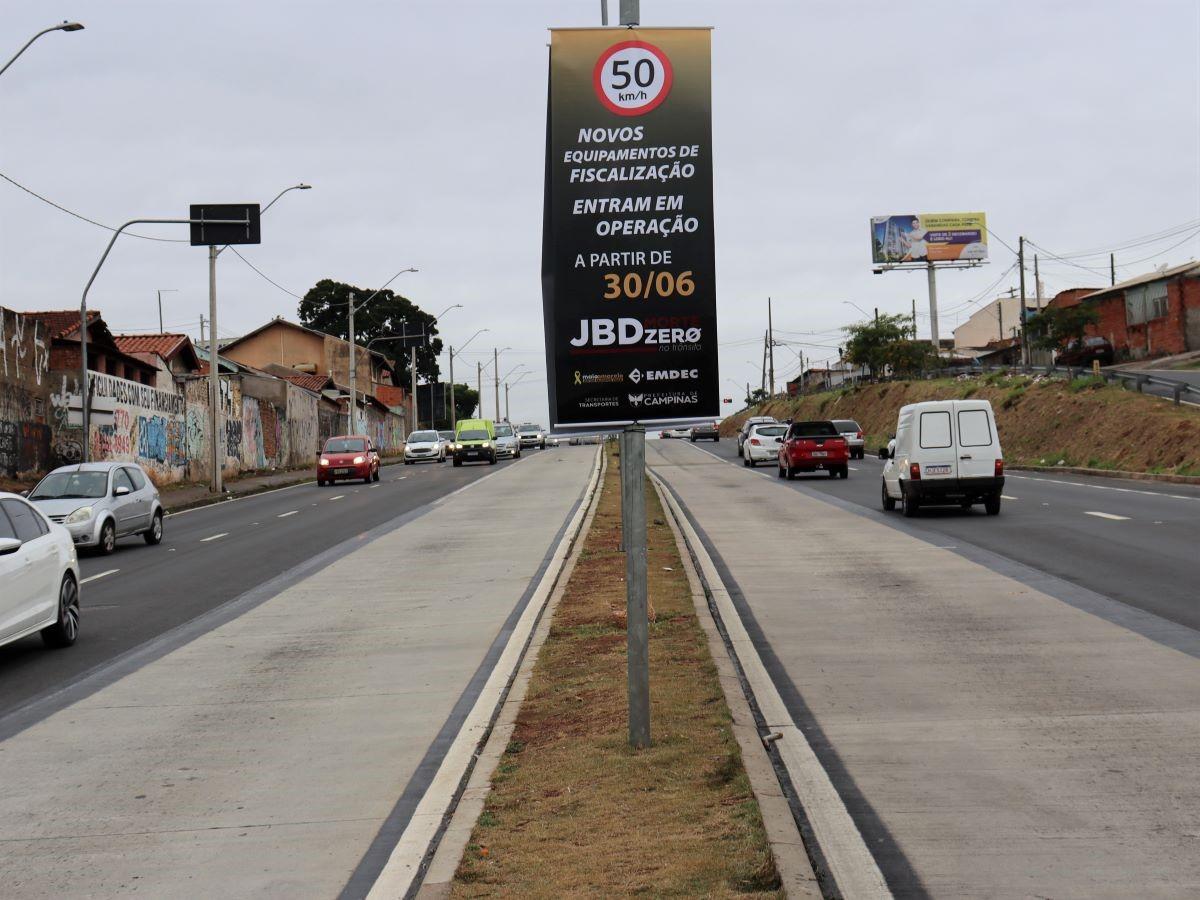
(65, 26)
(453, 408)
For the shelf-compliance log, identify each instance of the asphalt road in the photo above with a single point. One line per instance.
(212, 555)
(1133, 541)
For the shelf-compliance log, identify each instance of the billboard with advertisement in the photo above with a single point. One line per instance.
(928, 237)
(628, 286)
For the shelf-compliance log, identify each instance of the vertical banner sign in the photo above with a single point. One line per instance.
(628, 275)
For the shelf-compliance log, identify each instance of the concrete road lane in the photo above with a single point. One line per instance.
(1146, 558)
(275, 754)
(988, 738)
(210, 556)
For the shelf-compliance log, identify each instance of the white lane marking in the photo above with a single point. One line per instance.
(338, 497)
(286, 514)
(98, 575)
(1103, 487)
(213, 537)
(402, 477)
(375, 486)
(852, 468)
(1104, 515)
(1007, 497)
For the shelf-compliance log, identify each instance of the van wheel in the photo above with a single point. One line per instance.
(457, 463)
(911, 506)
(781, 471)
(992, 505)
(791, 474)
(889, 504)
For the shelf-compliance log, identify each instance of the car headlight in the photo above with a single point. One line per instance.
(485, 444)
(324, 461)
(80, 515)
(359, 459)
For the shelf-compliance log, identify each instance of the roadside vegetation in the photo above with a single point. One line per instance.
(1042, 421)
(573, 810)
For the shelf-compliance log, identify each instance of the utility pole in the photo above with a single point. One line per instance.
(1112, 271)
(453, 408)
(1000, 315)
(1021, 263)
(771, 344)
(479, 385)
(506, 418)
(496, 375)
(877, 317)
(763, 387)
(352, 427)
(914, 318)
(415, 424)
(1037, 282)
(201, 329)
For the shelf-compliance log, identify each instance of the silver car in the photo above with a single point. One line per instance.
(100, 502)
(507, 443)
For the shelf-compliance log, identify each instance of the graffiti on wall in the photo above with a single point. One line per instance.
(24, 353)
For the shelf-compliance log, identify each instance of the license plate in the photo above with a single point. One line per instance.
(341, 471)
(820, 453)
(937, 470)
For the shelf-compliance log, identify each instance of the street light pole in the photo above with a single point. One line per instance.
(353, 421)
(453, 408)
(65, 26)
(432, 416)
(162, 291)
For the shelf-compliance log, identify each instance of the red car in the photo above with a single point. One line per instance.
(347, 457)
(811, 446)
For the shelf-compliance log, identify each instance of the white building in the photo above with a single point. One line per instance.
(993, 322)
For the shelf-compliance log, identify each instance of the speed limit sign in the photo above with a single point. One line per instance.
(632, 78)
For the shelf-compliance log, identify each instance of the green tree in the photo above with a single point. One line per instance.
(326, 308)
(881, 342)
(757, 396)
(466, 400)
(1053, 327)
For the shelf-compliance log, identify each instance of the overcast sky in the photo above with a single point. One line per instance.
(421, 126)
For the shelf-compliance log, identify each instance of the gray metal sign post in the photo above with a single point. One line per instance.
(637, 627)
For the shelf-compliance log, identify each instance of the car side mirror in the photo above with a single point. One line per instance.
(120, 491)
(25, 493)
(779, 440)
(883, 453)
(9, 545)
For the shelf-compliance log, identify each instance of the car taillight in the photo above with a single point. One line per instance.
(999, 467)
(859, 435)
(754, 441)
(914, 471)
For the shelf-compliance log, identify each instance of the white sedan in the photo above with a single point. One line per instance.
(39, 574)
(762, 443)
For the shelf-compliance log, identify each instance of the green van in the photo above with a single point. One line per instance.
(474, 441)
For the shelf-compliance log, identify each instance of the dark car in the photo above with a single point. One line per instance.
(1092, 348)
(705, 430)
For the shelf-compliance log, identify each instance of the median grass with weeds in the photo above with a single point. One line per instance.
(573, 810)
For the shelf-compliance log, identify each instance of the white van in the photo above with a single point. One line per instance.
(944, 452)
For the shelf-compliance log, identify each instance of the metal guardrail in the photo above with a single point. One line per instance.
(1135, 380)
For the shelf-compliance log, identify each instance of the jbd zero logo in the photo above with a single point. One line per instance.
(632, 77)
(677, 331)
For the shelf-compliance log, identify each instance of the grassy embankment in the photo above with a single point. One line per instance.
(1041, 420)
(573, 810)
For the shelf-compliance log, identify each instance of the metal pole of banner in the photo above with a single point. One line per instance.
(214, 375)
(604, 13)
(630, 12)
(933, 321)
(637, 636)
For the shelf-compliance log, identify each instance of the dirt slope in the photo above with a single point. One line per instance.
(1041, 420)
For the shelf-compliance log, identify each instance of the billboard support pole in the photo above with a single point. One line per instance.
(1024, 342)
(933, 315)
(633, 520)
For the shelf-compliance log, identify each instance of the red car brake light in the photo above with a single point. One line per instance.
(914, 471)
(754, 441)
(999, 467)
(859, 435)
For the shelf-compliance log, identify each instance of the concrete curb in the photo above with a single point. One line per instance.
(840, 844)
(796, 874)
(440, 875)
(431, 820)
(1164, 477)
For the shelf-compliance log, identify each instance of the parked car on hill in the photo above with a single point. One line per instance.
(853, 434)
(744, 432)
(812, 447)
(1082, 354)
(762, 444)
(39, 573)
(944, 452)
(347, 457)
(100, 502)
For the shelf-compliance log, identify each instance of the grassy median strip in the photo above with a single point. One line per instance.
(573, 810)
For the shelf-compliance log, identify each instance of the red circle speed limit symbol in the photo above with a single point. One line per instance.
(632, 78)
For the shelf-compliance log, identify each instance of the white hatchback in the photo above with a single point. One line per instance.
(762, 443)
(39, 574)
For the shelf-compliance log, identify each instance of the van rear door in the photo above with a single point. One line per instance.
(978, 444)
(935, 446)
